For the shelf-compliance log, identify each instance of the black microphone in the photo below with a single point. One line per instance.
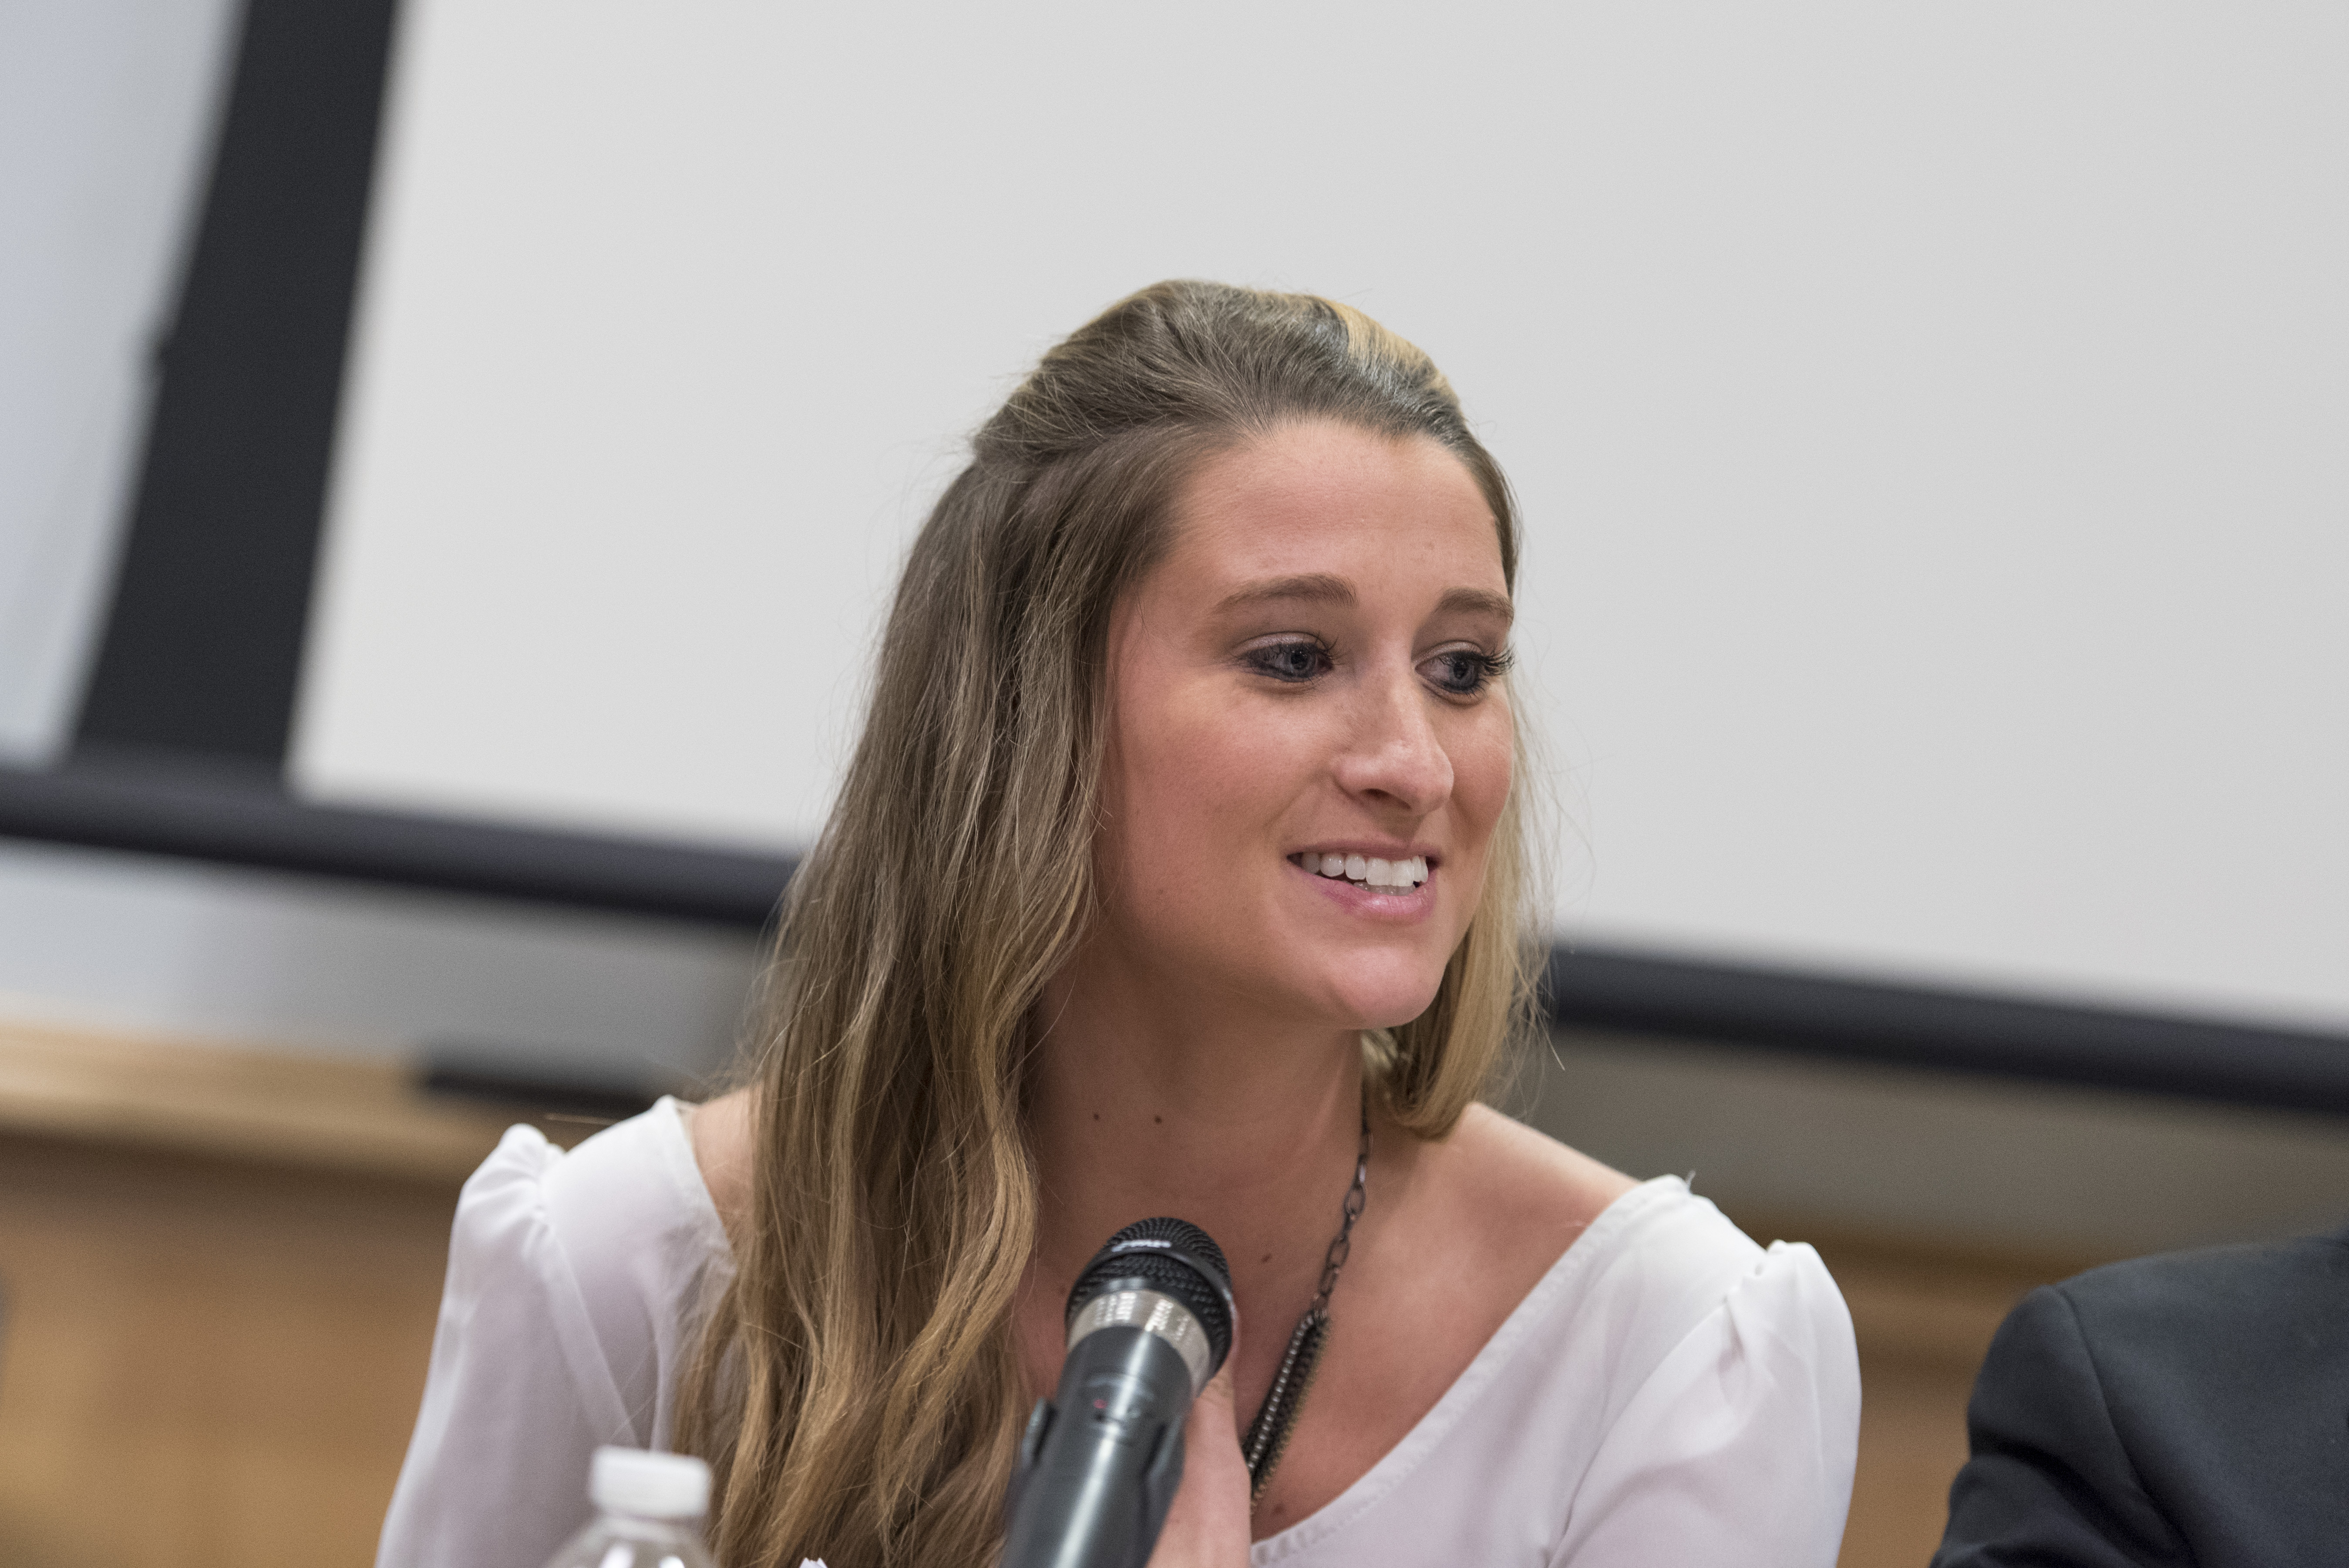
(1150, 1321)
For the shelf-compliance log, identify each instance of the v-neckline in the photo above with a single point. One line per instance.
(1397, 1464)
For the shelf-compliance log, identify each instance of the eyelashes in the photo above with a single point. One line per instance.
(1296, 661)
(1470, 672)
(1455, 672)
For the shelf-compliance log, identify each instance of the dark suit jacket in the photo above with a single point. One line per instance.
(2189, 1408)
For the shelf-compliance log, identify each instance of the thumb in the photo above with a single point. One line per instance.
(1208, 1525)
(1217, 1405)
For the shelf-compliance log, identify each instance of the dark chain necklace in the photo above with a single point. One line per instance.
(1267, 1435)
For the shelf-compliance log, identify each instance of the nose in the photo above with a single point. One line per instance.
(1394, 760)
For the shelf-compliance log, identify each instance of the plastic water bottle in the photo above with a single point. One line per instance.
(648, 1509)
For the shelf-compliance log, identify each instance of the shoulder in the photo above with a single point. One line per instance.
(575, 1285)
(621, 1225)
(1722, 1370)
(2200, 1351)
(2230, 1288)
(610, 1254)
(2217, 1326)
(2142, 1411)
(1670, 1286)
(1665, 1357)
(1506, 1188)
(2048, 1477)
(634, 1183)
(1497, 1187)
(1633, 1274)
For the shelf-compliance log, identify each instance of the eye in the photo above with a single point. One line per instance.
(1295, 661)
(1463, 671)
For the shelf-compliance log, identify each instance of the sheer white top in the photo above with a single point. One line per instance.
(1668, 1393)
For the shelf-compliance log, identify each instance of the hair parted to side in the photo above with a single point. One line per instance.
(855, 1391)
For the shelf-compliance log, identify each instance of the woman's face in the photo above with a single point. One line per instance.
(1308, 682)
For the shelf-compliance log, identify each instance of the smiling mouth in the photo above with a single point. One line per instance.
(1392, 878)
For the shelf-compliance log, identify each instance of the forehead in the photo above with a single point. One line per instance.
(1330, 497)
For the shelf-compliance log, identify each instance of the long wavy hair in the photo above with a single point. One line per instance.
(855, 1390)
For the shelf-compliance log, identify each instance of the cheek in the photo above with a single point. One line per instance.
(1482, 770)
(1185, 785)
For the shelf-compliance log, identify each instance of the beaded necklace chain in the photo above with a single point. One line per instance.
(1267, 1435)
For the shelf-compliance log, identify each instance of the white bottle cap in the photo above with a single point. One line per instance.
(648, 1485)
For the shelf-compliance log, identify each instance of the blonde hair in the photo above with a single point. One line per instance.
(856, 1391)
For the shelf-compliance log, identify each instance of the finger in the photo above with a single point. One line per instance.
(1208, 1525)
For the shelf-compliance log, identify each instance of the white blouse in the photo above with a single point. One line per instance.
(1668, 1393)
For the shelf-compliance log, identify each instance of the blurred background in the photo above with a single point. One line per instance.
(452, 459)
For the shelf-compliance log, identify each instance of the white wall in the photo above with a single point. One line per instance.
(107, 110)
(1927, 418)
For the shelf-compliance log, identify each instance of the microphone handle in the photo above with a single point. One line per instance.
(1101, 1459)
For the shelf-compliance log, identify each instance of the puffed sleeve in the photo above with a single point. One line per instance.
(494, 1472)
(2049, 1481)
(1738, 1447)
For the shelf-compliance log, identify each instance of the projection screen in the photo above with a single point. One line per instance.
(1927, 422)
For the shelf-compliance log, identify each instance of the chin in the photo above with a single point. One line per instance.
(1383, 1001)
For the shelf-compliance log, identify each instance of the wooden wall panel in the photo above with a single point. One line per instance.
(218, 1318)
(1923, 1315)
(205, 1365)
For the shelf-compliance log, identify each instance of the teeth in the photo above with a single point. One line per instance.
(1367, 870)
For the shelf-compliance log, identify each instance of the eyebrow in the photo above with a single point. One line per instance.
(1477, 602)
(1321, 587)
(1314, 587)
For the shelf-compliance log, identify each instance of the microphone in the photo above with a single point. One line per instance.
(1150, 1320)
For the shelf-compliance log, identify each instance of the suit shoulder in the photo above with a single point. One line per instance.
(2187, 1292)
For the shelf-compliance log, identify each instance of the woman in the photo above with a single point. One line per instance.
(1178, 861)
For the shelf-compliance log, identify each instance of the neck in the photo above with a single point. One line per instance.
(1143, 1106)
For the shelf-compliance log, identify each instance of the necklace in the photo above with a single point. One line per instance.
(1267, 1435)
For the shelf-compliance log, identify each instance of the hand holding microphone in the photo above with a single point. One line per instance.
(1211, 1520)
(1150, 1322)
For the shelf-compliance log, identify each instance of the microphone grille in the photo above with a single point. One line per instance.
(1182, 1237)
(1176, 1258)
